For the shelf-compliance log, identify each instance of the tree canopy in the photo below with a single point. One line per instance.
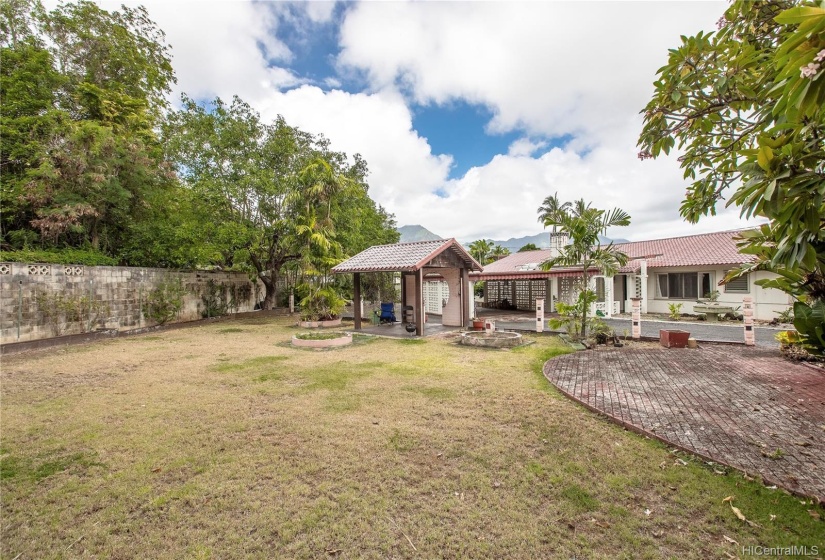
(746, 106)
(481, 249)
(83, 92)
(274, 194)
(94, 159)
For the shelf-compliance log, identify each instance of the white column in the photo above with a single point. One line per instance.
(747, 312)
(636, 319)
(643, 275)
(608, 295)
(539, 315)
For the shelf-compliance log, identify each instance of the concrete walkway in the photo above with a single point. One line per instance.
(701, 331)
(744, 407)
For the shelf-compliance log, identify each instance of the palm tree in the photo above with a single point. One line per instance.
(583, 224)
(480, 250)
(498, 252)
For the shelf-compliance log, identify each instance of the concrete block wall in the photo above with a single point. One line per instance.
(107, 297)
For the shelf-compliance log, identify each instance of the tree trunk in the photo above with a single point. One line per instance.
(269, 298)
(585, 287)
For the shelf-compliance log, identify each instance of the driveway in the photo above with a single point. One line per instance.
(745, 407)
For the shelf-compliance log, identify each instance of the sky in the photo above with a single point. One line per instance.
(468, 113)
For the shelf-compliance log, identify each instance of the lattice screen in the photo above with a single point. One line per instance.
(435, 293)
(566, 289)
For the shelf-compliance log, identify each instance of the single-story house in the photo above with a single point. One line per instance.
(660, 272)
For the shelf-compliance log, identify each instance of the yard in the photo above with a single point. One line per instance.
(222, 441)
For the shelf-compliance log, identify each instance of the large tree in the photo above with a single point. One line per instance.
(275, 194)
(584, 225)
(745, 106)
(83, 90)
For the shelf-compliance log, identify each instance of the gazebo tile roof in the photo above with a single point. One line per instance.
(402, 257)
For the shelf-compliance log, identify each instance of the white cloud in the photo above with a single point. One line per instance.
(403, 170)
(221, 48)
(550, 69)
(543, 68)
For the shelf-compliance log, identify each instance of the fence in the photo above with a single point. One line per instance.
(44, 300)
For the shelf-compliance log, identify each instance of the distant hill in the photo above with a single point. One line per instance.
(540, 240)
(416, 233)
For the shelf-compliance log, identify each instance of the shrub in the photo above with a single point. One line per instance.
(60, 310)
(321, 304)
(214, 299)
(675, 310)
(85, 257)
(165, 301)
(600, 331)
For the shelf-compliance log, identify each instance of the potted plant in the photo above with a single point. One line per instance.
(478, 323)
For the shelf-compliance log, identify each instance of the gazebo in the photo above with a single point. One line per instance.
(415, 260)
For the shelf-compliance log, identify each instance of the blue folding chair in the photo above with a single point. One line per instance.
(387, 313)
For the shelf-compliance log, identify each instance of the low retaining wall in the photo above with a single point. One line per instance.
(39, 301)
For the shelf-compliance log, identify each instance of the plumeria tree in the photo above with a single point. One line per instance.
(584, 225)
(745, 106)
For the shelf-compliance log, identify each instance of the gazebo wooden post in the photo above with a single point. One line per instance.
(466, 294)
(419, 302)
(356, 296)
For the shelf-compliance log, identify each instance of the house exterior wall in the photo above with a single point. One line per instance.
(766, 301)
(108, 297)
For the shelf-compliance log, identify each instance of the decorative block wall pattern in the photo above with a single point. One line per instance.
(103, 296)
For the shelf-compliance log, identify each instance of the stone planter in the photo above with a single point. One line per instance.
(712, 310)
(500, 339)
(342, 340)
(673, 338)
(319, 324)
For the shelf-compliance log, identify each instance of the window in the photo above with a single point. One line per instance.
(739, 285)
(682, 285)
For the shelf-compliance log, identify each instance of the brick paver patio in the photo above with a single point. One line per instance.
(744, 407)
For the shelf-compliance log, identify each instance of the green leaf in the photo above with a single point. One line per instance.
(764, 157)
(799, 14)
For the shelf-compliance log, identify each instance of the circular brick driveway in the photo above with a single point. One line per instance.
(744, 407)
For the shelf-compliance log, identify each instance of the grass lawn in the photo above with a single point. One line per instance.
(222, 441)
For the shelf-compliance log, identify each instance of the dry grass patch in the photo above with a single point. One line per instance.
(211, 442)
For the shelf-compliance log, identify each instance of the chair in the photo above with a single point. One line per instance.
(388, 313)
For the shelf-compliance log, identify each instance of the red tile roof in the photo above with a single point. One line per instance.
(405, 257)
(707, 249)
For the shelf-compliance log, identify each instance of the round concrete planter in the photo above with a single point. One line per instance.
(342, 340)
(498, 339)
(319, 324)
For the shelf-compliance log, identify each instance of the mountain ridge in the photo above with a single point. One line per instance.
(541, 240)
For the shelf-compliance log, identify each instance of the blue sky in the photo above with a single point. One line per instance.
(468, 113)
